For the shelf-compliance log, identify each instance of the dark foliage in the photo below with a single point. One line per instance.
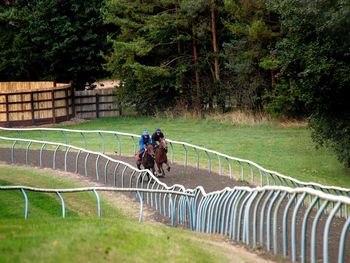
(315, 63)
(286, 57)
(51, 40)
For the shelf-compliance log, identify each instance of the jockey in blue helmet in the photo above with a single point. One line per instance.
(144, 140)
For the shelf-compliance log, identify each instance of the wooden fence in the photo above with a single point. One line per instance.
(95, 103)
(31, 103)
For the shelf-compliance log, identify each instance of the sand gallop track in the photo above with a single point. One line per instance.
(187, 176)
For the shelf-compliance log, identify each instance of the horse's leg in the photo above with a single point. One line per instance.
(161, 170)
(148, 174)
(153, 171)
(168, 166)
(159, 165)
(138, 164)
(163, 173)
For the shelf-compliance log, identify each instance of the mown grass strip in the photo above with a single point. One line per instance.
(86, 238)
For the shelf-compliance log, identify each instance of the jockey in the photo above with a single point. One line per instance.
(144, 140)
(156, 137)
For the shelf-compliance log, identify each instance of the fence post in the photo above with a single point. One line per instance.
(7, 110)
(67, 103)
(72, 98)
(26, 203)
(53, 104)
(32, 107)
(97, 105)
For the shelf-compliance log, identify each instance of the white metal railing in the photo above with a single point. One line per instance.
(250, 215)
(262, 216)
(266, 177)
(158, 194)
(59, 192)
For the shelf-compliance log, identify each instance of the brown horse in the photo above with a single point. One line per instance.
(161, 157)
(147, 160)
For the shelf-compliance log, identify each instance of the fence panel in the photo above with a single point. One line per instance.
(30, 103)
(95, 103)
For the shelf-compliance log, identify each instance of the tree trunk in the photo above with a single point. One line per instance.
(273, 78)
(217, 85)
(215, 46)
(177, 4)
(196, 70)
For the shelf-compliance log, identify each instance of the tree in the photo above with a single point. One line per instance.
(253, 35)
(191, 10)
(176, 40)
(14, 57)
(139, 54)
(56, 40)
(315, 62)
(215, 45)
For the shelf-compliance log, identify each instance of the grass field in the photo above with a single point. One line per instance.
(287, 150)
(46, 237)
(82, 237)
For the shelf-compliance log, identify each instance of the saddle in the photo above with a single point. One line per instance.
(137, 155)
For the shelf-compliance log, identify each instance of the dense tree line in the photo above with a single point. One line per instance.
(286, 57)
(51, 40)
(314, 55)
(199, 54)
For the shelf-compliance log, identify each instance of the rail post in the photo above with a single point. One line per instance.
(97, 105)
(53, 106)
(7, 110)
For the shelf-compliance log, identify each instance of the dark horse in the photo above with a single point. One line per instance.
(147, 160)
(161, 157)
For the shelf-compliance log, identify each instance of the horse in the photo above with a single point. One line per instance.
(147, 160)
(161, 157)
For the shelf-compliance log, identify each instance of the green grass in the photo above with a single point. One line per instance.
(289, 151)
(44, 204)
(81, 237)
(105, 240)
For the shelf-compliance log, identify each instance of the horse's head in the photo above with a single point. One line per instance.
(149, 149)
(163, 144)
